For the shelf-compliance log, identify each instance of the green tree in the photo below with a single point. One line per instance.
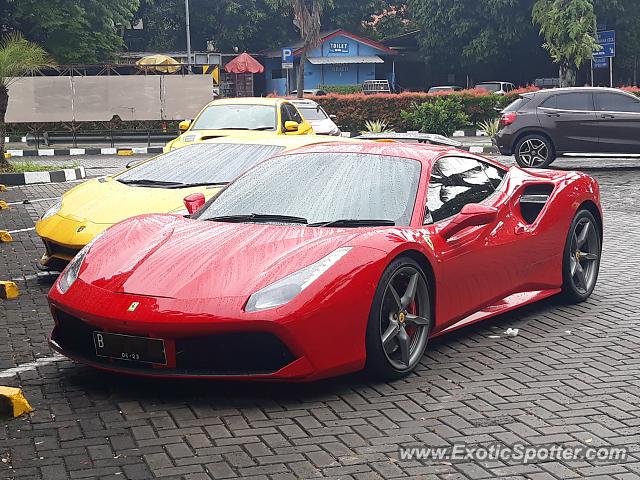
(459, 34)
(372, 18)
(568, 29)
(623, 16)
(249, 25)
(306, 17)
(73, 31)
(18, 57)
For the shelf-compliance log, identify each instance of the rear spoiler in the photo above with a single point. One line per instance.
(412, 137)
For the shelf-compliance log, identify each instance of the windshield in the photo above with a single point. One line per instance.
(198, 164)
(324, 187)
(237, 117)
(491, 87)
(312, 113)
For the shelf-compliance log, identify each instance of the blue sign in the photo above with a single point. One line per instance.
(606, 40)
(338, 47)
(287, 57)
(602, 62)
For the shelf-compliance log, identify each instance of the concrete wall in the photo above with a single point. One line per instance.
(132, 97)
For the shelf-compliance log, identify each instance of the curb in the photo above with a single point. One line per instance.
(480, 149)
(469, 133)
(54, 176)
(12, 403)
(53, 152)
(15, 139)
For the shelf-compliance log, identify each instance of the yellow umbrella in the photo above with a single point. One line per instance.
(159, 63)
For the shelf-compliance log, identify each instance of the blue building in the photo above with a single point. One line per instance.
(342, 58)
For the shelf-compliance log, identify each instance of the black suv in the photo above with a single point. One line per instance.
(539, 126)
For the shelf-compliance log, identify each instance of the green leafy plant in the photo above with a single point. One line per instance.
(18, 57)
(343, 89)
(376, 126)
(568, 30)
(444, 116)
(490, 128)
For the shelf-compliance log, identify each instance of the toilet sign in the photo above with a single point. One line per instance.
(287, 57)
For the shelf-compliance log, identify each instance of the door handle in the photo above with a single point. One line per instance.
(606, 115)
(553, 114)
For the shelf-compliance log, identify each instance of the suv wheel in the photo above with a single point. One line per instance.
(534, 151)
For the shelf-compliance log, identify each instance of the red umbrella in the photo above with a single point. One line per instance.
(244, 63)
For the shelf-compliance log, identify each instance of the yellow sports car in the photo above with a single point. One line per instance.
(261, 116)
(157, 185)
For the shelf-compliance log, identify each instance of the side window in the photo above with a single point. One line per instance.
(494, 173)
(293, 113)
(616, 102)
(284, 113)
(455, 182)
(574, 101)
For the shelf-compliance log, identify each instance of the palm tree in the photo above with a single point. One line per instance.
(306, 17)
(18, 57)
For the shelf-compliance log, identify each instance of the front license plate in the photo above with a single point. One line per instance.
(130, 348)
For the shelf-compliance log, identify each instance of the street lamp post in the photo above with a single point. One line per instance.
(186, 10)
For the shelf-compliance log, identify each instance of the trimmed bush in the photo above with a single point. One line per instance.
(444, 115)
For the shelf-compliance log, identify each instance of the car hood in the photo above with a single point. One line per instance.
(174, 257)
(108, 201)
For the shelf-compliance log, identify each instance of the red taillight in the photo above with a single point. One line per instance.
(508, 118)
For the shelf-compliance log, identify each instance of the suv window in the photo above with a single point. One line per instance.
(616, 102)
(517, 104)
(455, 182)
(581, 101)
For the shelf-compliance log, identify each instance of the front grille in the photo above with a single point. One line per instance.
(233, 353)
(57, 249)
(222, 354)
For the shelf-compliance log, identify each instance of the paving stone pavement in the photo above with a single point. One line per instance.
(570, 377)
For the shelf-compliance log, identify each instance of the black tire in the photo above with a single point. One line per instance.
(387, 314)
(581, 255)
(534, 151)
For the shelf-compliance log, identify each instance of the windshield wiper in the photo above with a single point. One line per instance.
(354, 222)
(151, 183)
(266, 127)
(259, 217)
(199, 184)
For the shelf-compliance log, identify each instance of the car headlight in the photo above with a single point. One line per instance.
(286, 289)
(70, 274)
(53, 209)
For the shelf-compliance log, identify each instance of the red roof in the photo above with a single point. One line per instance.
(357, 38)
(244, 63)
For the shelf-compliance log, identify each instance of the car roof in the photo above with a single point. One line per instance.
(424, 153)
(549, 91)
(298, 102)
(247, 101)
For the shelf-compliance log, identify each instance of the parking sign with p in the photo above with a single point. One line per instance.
(287, 57)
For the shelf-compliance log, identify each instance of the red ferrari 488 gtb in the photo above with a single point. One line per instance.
(326, 260)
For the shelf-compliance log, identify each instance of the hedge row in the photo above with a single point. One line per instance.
(353, 110)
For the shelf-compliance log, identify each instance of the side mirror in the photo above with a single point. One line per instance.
(290, 126)
(471, 215)
(184, 125)
(193, 202)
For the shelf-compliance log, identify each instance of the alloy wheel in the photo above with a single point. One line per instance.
(533, 152)
(584, 253)
(405, 318)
